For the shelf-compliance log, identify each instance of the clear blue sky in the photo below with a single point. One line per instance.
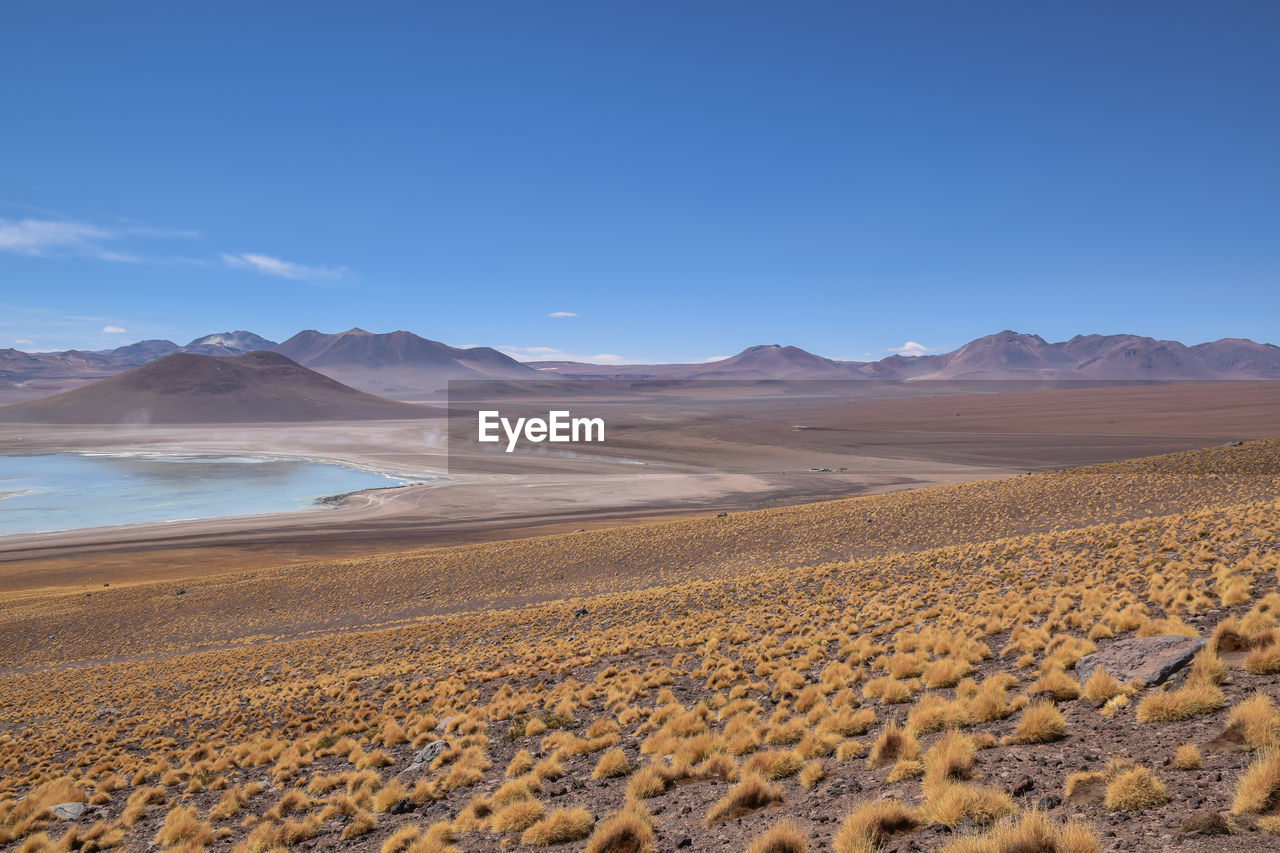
(688, 178)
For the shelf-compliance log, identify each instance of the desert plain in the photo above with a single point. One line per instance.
(792, 622)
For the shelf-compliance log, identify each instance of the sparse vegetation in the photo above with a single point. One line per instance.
(758, 676)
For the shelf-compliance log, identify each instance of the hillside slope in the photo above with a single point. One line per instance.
(918, 692)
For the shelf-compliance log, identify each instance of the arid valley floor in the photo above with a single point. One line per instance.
(890, 671)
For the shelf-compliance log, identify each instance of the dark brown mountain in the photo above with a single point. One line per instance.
(766, 361)
(398, 363)
(185, 388)
(1134, 357)
(773, 361)
(1003, 354)
(1239, 356)
(28, 375)
(136, 355)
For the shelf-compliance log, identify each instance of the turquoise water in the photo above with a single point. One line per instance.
(65, 491)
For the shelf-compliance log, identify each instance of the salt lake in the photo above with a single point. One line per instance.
(66, 491)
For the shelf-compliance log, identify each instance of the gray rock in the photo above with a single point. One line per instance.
(428, 753)
(68, 811)
(1151, 659)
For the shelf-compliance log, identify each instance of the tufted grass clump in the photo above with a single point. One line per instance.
(562, 825)
(1189, 700)
(1135, 789)
(1040, 722)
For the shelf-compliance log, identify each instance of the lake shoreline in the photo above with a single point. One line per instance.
(73, 494)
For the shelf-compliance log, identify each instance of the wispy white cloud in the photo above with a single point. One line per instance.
(553, 354)
(113, 330)
(38, 236)
(910, 348)
(129, 242)
(267, 265)
(24, 341)
(562, 314)
(61, 237)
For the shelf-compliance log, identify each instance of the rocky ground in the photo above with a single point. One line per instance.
(797, 690)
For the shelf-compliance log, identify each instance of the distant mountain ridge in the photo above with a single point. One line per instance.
(403, 365)
(1013, 355)
(1003, 355)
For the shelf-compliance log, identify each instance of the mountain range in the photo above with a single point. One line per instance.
(1004, 355)
(398, 364)
(403, 365)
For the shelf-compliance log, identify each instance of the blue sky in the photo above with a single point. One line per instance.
(686, 178)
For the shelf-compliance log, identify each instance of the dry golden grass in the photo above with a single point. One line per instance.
(1257, 720)
(990, 701)
(893, 744)
(773, 763)
(562, 825)
(750, 794)
(182, 826)
(1207, 666)
(1134, 789)
(1258, 788)
(611, 765)
(648, 782)
(1186, 757)
(949, 803)
(869, 825)
(932, 713)
(1032, 832)
(1190, 700)
(784, 837)
(949, 759)
(761, 674)
(1264, 660)
(628, 831)
(1056, 681)
(517, 816)
(1040, 722)
(401, 840)
(1101, 686)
